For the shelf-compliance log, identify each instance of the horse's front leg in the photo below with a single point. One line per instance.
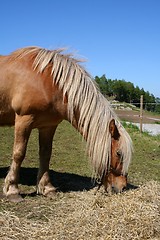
(22, 132)
(44, 185)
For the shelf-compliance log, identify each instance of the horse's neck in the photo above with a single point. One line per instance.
(75, 123)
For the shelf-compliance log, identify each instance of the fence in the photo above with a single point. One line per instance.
(128, 106)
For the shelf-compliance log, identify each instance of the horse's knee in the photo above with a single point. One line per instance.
(18, 155)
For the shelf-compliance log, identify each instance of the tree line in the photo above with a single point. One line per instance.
(124, 91)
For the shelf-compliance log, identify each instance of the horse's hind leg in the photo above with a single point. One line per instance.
(44, 185)
(22, 132)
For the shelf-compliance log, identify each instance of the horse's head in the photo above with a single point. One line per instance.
(115, 179)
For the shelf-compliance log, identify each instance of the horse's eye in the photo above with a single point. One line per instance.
(119, 153)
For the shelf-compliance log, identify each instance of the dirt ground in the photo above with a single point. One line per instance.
(134, 116)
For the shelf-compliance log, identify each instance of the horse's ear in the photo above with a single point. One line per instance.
(113, 130)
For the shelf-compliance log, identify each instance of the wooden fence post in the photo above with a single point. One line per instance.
(141, 113)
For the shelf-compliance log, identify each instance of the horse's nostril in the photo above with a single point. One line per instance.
(116, 190)
(124, 189)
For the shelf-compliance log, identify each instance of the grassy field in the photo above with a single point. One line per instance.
(68, 154)
(70, 173)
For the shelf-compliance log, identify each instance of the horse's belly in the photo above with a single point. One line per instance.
(7, 118)
(7, 115)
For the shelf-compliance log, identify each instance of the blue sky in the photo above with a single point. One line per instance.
(119, 38)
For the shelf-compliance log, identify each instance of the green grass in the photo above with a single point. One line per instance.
(157, 122)
(69, 154)
(146, 158)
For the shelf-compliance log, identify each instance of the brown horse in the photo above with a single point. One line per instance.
(38, 89)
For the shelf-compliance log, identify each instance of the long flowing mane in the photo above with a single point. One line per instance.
(83, 94)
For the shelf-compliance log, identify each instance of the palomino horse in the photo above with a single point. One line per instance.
(38, 89)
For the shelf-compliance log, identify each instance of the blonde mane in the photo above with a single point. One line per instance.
(83, 94)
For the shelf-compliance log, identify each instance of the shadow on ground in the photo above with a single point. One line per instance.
(64, 182)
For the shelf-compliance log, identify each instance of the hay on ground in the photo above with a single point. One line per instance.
(134, 214)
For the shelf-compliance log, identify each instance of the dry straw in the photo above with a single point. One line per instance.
(83, 215)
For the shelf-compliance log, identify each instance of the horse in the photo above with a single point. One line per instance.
(39, 88)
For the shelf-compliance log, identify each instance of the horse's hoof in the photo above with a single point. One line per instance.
(15, 198)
